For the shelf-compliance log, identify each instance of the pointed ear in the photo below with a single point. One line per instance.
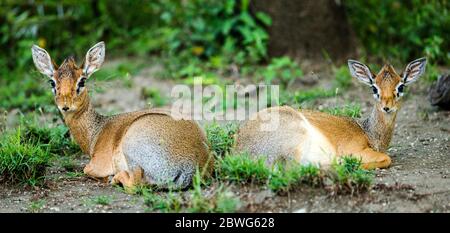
(414, 70)
(94, 59)
(361, 72)
(42, 61)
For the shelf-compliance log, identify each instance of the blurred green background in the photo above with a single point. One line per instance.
(199, 37)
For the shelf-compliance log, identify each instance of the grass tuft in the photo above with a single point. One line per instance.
(350, 176)
(221, 137)
(242, 169)
(22, 161)
(102, 200)
(169, 202)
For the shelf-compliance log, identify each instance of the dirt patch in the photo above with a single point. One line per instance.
(418, 181)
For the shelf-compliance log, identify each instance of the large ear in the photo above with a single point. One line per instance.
(42, 61)
(414, 70)
(361, 72)
(94, 59)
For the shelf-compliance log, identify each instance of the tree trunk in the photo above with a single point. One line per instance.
(312, 29)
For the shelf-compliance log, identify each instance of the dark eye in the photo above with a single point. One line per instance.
(400, 88)
(52, 83)
(81, 82)
(375, 90)
(80, 85)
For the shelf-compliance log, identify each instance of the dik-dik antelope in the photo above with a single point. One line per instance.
(311, 137)
(147, 146)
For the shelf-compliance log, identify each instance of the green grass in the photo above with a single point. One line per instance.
(168, 202)
(22, 161)
(242, 169)
(284, 179)
(72, 175)
(349, 175)
(283, 69)
(23, 91)
(221, 138)
(28, 150)
(57, 138)
(349, 110)
(69, 164)
(36, 206)
(154, 96)
(221, 200)
(312, 94)
(102, 200)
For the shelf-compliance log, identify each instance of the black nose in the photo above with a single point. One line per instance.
(65, 108)
(386, 109)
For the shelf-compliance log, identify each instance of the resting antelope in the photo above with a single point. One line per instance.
(311, 137)
(143, 146)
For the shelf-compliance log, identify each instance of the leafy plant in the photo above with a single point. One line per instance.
(220, 137)
(402, 29)
(350, 176)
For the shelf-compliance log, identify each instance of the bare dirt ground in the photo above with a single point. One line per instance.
(417, 181)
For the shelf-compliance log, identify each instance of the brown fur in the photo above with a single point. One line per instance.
(101, 137)
(340, 136)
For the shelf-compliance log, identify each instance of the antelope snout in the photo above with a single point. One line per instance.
(387, 109)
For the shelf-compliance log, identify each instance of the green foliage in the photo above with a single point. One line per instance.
(220, 201)
(284, 178)
(195, 36)
(347, 174)
(153, 96)
(102, 200)
(36, 206)
(350, 176)
(221, 138)
(312, 94)
(349, 110)
(22, 91)
(56, 139)
(282, 69)
(22, 161)
(169, 202)
(402, 29)
(242, 169)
